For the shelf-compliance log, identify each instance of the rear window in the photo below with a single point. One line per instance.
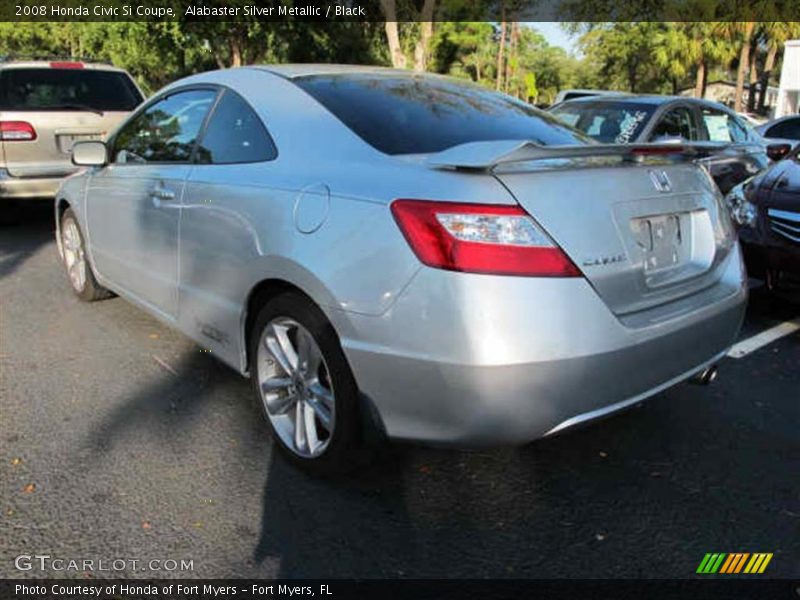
(789, 130)
(67, 89)
(424, 114)
(607, 122)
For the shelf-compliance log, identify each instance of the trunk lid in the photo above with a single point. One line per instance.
(644, 234)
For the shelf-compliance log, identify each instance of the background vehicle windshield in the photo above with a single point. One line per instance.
(67, 89)
(606, 122)
(399, 114)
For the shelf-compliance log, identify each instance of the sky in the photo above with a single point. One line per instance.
(555, 36)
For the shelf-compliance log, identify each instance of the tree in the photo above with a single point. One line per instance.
(154, 53)
(465, 49)
(422, 29)
(674, 53)
(624, 52)
(501, 52)
(392, 34)
(755, 43)
(422, 47)
(691, 44)
(747, 29)
(776, 34)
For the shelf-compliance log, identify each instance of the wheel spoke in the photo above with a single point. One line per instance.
(312, 439)
(322, 412)
(280, 404)
(278, 395)
(299, 427)
(321, 393)
(274, 384)
(304, 350)
(279, 345)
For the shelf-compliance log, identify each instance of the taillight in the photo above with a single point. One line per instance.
(66, 65)
(480, 238)
(659, 150)
(17, 131)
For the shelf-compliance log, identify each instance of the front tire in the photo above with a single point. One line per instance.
(305, 387)
(76, 261)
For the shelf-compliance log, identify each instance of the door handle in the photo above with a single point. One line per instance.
(162, 193)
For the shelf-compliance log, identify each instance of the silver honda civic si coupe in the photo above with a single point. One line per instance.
(400, 255)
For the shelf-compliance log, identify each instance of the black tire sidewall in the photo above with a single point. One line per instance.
(344, 446)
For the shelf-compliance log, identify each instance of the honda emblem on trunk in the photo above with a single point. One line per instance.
(661, 181)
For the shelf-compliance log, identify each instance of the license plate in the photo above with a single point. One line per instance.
(661, 240)
(67, 141)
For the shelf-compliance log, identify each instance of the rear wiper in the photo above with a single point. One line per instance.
(77, 107)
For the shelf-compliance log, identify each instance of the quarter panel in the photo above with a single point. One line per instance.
(236, 231)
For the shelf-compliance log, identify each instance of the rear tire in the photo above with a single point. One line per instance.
(76, 261)
(305, 387)
(774, 280)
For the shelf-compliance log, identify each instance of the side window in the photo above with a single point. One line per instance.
(235, 134)
(723, 127)
(677, 123)
(165, 131)
(789, 130)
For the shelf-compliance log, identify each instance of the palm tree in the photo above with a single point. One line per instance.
(776, 33)
(740, 34)
(501, 50)
(673, 52)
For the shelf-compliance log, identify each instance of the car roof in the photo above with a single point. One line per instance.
(652, 99)
(12, 63)
(780, 120)
(291, 71)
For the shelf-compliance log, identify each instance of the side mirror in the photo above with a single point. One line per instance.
(89, 154)
(778, 152)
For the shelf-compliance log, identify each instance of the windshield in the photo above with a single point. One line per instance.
(606, 122)
(67, 89)
(402, 114)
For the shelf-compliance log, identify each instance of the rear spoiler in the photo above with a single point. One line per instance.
(484, 156)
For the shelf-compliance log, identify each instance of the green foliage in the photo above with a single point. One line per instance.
(642, 56)
(465, 50)
(156, 53)
(626, 55)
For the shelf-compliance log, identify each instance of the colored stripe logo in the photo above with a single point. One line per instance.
(733, 563)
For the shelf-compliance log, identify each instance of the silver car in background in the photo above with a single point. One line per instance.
(407, 254)
(46, 106)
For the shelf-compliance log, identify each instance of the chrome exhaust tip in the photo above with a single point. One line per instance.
(706, 377)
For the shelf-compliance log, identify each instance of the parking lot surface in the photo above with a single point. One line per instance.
(122, 439)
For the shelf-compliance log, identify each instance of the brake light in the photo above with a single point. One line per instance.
(16, 131)
(66, 65)
(660, 150)
(480, 238)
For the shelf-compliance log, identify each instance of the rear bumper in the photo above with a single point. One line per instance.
(473, 360)
(28, 187)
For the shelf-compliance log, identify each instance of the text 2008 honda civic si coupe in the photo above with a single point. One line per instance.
(405, 253)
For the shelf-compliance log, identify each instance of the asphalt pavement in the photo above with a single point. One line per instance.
(121, 439)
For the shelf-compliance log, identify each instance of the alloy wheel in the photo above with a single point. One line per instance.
(74, 256)
(295, 386)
